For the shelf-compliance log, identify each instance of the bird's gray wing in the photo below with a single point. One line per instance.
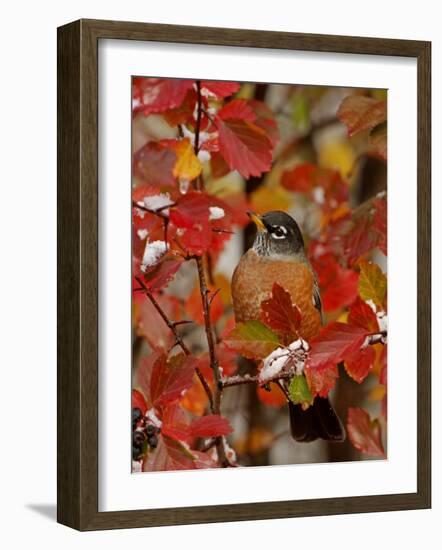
(317, 297)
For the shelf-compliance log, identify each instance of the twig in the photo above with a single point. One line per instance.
(221, 451)
(237, 380)
(178, 340)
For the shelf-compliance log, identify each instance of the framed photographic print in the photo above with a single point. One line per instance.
(243, 254)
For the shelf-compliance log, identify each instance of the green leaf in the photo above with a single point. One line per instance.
(252, 339)
(301, 112)
(372, 283)
(299, 392)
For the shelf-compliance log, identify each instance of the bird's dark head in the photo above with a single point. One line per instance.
(278, 234)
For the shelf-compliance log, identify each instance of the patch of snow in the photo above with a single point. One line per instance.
(216, 213)
(230, 453)
(273, 364)
(318, 195)
(184, 186)
(152, 416)
(203, 156)
(382, 318)
(137, 466)
(152, 253)
(142, 233)
(154, 202)
(371, 304)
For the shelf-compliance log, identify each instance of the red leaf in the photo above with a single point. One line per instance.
(307, 177)
(361, 315)
(218, 165)
(191, 208)
(321, 379)
(171, 379)
(274, 398)
(138, 401)
(265, 120)
(155, 95)
(203, 460)
(150, 324)
(279, 313)
(191, 213)
(244, 146)
(212, 425)
(170, 454)
(237, 108)
(361, 113)
(365, 434)
(339, 286)
(335, 343)
(220, 89)
(154, 164)
(160, 275)
(380, 222)
(360, 363)
(175, 422)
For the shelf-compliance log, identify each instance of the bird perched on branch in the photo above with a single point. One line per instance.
(278, 256)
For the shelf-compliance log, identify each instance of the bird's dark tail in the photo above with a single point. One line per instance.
(318, 421)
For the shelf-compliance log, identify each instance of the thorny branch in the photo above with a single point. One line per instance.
(178, 339)
(237, 380)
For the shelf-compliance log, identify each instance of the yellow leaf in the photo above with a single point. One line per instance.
(377, 393)
(337, 155)
(372, 283)
(265, 199)
(187, 165)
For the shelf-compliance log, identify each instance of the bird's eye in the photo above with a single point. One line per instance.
(279, 232)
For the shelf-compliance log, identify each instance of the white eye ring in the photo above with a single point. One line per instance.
(281, 229)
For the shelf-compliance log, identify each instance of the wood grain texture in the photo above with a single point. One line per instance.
(77, 225)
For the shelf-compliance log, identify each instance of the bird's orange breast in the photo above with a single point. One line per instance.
(253, 280)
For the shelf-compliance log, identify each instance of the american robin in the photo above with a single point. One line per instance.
(278, 256)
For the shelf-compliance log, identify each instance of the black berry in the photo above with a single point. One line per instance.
(153, 441)
(137, 415)
(150, 429)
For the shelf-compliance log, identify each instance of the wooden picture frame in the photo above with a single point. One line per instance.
(78, 274)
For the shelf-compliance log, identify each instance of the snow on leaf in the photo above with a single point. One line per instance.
(372, 283)
(299, 392)
(156, 202)
(156, 95)
(216, 213)
(252, 339)
(219, 88)
(152, 253)
(279, 313)
(244, 146)
(364, 433)
(274, 363)
(211, 425)
(170, 379)
(154, 164)
(361, 113)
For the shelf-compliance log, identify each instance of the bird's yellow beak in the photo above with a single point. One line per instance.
(257, 221)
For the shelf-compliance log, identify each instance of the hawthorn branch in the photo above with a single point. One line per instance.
(287, 374)
(178, 339)
(204, 291)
